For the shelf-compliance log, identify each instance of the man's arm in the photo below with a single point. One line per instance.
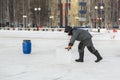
(72, 40)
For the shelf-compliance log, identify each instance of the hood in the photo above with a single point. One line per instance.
(68, 29)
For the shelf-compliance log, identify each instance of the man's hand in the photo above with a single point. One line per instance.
(68, 48)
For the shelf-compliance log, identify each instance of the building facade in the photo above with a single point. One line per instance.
(95, 13)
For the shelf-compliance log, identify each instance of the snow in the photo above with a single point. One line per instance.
(45, 62)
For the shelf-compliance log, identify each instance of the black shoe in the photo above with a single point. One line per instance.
(79, 60)
(99, 59)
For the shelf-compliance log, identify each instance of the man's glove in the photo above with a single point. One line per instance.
(68, 48)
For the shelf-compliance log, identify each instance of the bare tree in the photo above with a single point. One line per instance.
(12, 11)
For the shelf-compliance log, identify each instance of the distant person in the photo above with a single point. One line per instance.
(85, 39)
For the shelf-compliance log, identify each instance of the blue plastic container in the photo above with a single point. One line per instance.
(26, 46)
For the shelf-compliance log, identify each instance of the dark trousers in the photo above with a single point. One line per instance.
(82, 45)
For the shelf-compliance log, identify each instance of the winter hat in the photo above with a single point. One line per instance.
(68, 29)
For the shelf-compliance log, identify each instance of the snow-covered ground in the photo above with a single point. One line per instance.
(45, 63)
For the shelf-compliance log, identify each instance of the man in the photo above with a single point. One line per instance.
(85, 39)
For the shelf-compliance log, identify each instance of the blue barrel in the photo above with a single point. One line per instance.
(26, 46)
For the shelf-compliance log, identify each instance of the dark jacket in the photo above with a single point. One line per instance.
(80, 35)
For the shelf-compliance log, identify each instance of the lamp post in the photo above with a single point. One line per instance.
(51, 17)
(24, 21)
(37, 19)
(100, 18)
(96, 7)
(99, 9)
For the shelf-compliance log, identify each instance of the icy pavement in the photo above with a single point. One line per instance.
(42, 63)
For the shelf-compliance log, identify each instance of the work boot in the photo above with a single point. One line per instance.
(99, 58)
(81, 54)
(79, 60)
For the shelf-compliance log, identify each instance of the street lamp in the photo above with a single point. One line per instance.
(119, 19)
(37, 9)
(99, 8)
(100, 18)
(51, 17)
(24, 21)
(96, 7)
